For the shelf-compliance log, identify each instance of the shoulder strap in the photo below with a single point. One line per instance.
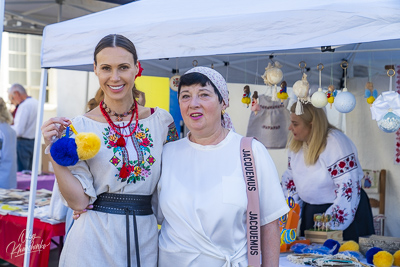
(152, 110)
(253, 202)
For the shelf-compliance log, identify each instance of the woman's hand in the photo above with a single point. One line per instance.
(77, 213)
(53, 128)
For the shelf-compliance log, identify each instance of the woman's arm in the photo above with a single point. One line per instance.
(270, 244)
(70, 187)
(345, 170)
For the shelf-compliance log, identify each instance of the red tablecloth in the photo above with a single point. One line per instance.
(43, 181)
(12, 240)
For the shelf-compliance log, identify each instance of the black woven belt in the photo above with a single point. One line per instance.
(125, 204)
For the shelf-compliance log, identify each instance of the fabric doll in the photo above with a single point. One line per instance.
(255, 106)
(246, 96)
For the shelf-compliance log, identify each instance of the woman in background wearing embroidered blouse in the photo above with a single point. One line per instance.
(119, 181)
(325, 174)
(202, 191)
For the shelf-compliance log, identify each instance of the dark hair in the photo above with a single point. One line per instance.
(117, 40)
(197, 78)
(255, 94)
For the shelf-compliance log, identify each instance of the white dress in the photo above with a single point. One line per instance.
(97, 238)
(202, 195)
(334, 178)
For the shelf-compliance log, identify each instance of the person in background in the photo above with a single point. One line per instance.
(121, 229)
(325, 174)
(8, 149)
(202, 192)
(24, 124)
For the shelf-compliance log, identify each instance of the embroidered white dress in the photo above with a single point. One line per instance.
(202, 196)
(334, 178)
(97, 238)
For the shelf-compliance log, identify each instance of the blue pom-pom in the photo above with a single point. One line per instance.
(330, 243)
(370, 254)
(63, 151)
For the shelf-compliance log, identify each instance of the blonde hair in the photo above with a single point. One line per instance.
(5, 115)
(319, 129)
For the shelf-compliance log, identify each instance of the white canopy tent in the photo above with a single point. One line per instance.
(224, 33)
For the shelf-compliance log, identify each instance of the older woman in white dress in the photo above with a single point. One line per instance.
(202, 191)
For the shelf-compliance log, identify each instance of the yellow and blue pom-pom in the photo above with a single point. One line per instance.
(68, 151)
(383, 259)
(88, 144)
(349, 246)
(330, 243)
(371, 253)
(63, 151)
(396, 256)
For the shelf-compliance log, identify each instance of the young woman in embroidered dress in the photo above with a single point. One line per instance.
(119, 181)
(324, 174)
(202, 191)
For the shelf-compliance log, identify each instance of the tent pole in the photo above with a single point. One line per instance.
(35, 165)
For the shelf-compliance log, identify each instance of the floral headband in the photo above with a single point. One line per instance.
(219, 82)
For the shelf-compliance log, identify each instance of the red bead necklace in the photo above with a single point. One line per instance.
(124, 171)
(114, 126)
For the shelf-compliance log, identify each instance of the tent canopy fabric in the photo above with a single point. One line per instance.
(203, 29)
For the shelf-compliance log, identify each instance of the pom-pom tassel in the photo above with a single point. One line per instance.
(124, 173)
(121, 142)
(299, 108)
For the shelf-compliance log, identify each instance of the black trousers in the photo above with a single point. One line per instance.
(361, 226)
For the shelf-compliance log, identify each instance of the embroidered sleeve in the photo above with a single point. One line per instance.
(344, 173)
(288, 186)
(172, 133)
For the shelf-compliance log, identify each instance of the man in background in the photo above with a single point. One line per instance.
(24, 124)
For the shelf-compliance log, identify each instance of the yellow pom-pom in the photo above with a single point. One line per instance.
(282, 95)
(370, 100)
(331, 99)
(396, 256)
(383, 259)
(88, 144)
(349, 246)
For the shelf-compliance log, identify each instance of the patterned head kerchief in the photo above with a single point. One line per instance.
(219, 81)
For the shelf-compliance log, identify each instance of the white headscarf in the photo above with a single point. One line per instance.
(219, 82)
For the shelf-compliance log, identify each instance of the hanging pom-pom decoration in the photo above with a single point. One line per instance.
(68, 151)
(63, 151)
(300, 89)
(386, 108)
(319, 99)
(370, 93)
(282, 94)
(345, 101)
(124, 172)
(275, 76)
(331, 94)
(265, 75)
(246, 96)
(121, 142)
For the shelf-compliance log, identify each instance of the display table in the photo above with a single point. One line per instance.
(43, 181)
(12, 236)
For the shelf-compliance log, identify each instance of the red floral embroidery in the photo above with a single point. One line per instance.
(339, 216)
(347, 190)
(290, 186)
(343, 166)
